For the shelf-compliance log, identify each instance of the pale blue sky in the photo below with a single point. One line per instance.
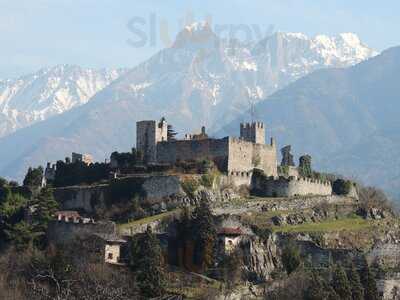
(95, 33)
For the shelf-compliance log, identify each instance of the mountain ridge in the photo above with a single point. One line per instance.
(50, 91)
(346, 118)
(190, 86)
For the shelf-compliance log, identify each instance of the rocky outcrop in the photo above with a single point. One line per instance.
(261, 257)
(305, 202)
(375, 213)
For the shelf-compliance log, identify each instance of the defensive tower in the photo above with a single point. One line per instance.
(253, 132)
(148, 134)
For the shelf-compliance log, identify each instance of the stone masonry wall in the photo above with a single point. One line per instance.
(82, 198)
(62, 232)
(158, 187)
(184, 150)
(245, 156)
(283, 187)
(88, 199)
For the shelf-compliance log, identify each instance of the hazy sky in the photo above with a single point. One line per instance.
(116, 33)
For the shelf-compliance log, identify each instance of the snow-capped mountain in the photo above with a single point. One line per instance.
(200, 80)
(285, 57)
(51, 91)
(210, 80)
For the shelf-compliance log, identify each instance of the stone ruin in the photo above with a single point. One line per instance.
(287, 157)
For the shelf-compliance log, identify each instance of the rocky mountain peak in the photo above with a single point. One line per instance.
(199, 34)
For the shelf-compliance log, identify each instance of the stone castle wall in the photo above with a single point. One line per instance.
(283, 187)
(230, 154)
(89, 199)
(63, 232)
(186, 150)
(239, 178)
(159, 187)
(82, 198)
(245, 156)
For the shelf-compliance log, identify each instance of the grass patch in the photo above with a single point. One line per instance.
(350, 224)
(147, 220)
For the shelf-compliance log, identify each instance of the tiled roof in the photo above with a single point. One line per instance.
(68, 213)
(230, 231)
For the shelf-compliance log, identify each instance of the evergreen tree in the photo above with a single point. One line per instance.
(305, 169)
(369, 283)
(12, 208)
(148, 262)
(319, 289)
(340, 283)
(34, 177)
(231, 268)
(357, 290)
(47, 206)
(3, 182)
(291, 257)
(205, 234)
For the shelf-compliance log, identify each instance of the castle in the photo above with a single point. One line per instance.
(235, 157)
(231, 155)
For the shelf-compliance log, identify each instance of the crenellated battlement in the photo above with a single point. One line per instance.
(252, 125)
(229, 154)
(253, 132)
(292, 186)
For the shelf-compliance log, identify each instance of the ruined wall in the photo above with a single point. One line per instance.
(158, 187)
(82, 198)
(245, 156)
(283, 187)
(90, 199)
(185, 150)
(64, 232)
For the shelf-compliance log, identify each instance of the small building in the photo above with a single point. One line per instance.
(72, 216)
(229, 238)
(68, 216)
(113, 251)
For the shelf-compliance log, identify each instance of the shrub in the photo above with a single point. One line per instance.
(342, 187)
(206, 166)
(207, 180)
(3, 182)
(190, 186)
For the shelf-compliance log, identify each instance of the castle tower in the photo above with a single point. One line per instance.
(253, 132)
(148, 134)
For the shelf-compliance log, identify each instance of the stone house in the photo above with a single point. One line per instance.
(114, 250)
